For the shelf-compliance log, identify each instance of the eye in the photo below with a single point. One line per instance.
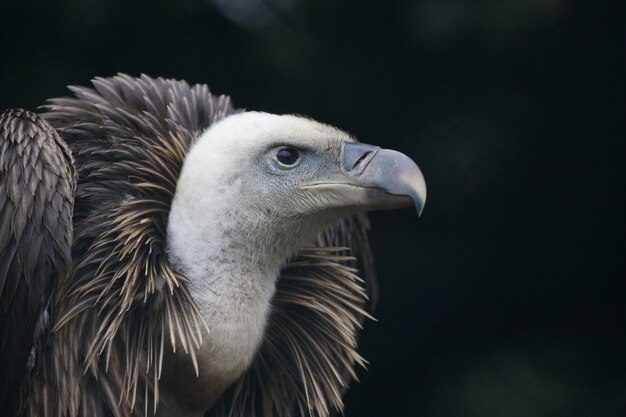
(287, 156)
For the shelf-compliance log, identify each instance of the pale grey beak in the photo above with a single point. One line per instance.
(384, 169)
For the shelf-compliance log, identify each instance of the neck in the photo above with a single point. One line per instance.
(232, 267)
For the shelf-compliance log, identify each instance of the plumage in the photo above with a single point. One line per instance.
(142, 321)
(36, 198)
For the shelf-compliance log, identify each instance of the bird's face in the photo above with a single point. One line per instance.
(286, 168)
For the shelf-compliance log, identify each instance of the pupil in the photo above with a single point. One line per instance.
(287, 156)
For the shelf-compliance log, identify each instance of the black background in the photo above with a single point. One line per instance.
(507, 297)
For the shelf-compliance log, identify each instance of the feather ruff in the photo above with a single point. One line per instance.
(123, 306)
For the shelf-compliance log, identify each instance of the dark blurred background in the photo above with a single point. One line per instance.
(507, 298)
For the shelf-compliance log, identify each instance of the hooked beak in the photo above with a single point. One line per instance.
(371, 178)
(387, 170)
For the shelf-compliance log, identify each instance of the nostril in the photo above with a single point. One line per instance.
(355, 156)
(361, 158)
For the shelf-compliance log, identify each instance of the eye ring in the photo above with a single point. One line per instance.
(287, 156)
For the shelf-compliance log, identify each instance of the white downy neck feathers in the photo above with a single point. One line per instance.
(228, 243)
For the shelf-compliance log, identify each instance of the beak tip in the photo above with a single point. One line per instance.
(419, 203)
(417, 191)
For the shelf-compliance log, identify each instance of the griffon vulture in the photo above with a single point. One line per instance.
(163, 253)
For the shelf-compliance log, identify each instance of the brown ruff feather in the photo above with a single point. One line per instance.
(123, 306)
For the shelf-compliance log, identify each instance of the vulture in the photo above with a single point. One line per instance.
(163, 253)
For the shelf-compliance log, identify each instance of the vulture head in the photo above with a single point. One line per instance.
(254, 190)
(167, 254)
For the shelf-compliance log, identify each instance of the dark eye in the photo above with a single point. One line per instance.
(287, 156)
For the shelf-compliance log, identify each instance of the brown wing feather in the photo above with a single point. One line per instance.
(36, 198)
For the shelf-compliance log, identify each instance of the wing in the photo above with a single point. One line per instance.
(36, 198)
(308, 357)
